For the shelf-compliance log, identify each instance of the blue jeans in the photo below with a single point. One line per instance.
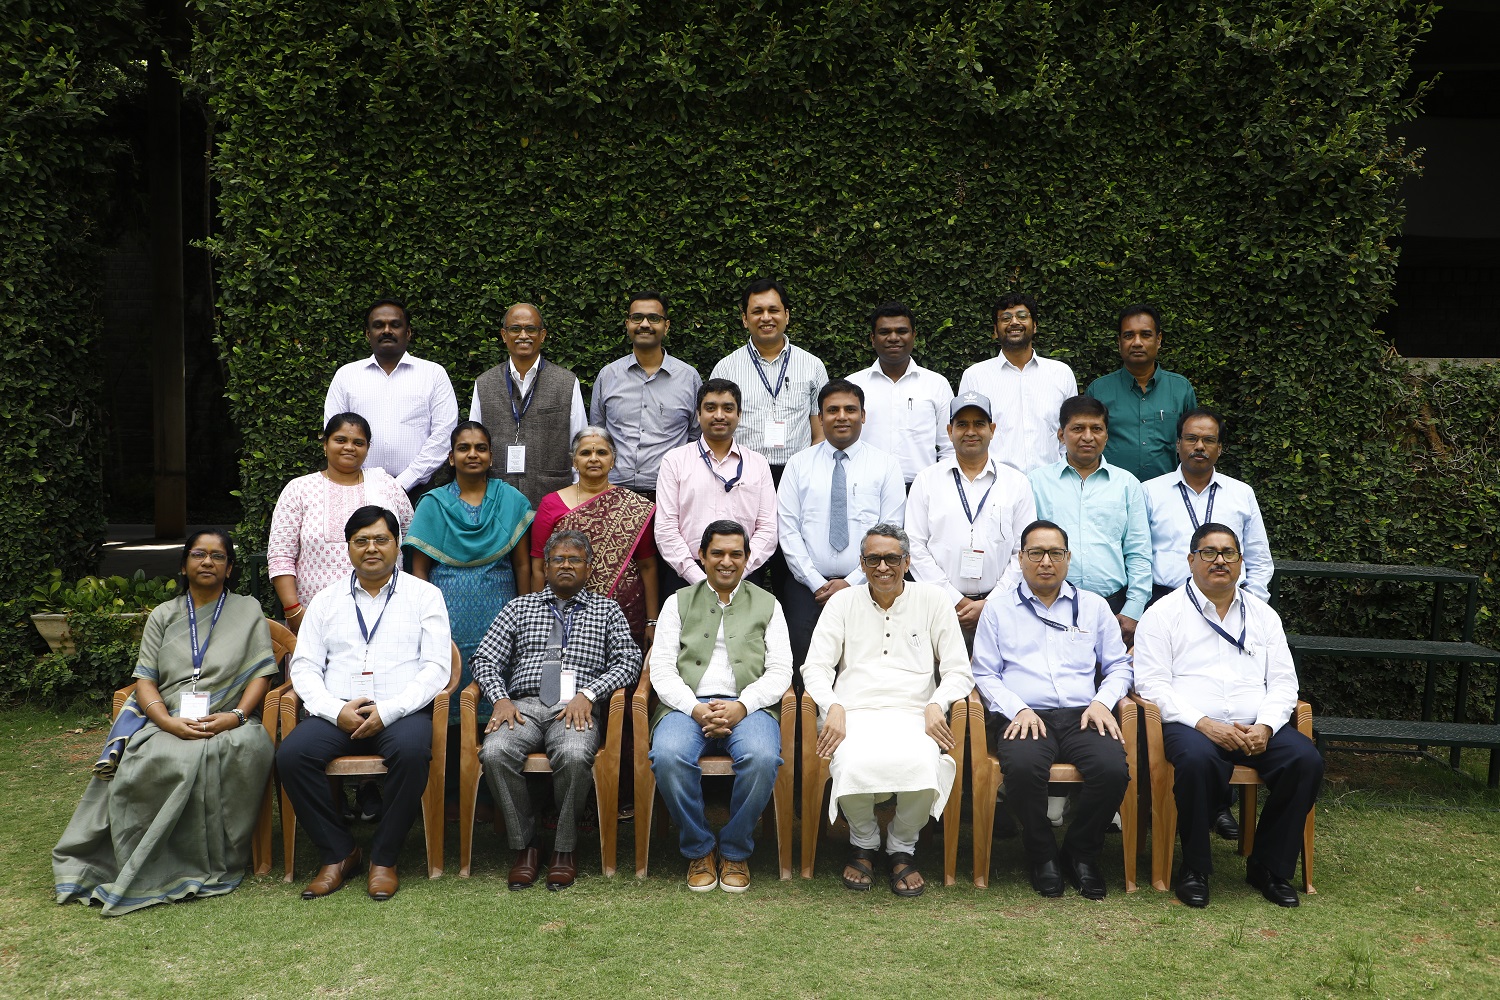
(755, 747)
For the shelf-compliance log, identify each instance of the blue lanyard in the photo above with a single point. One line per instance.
(369, 633)
(1059, 626)
(729, 484)
(566, 623)
(1208, 515)
(1236, 643)
(200, 653)
(964, 499)
(526, 400)
(760, 369)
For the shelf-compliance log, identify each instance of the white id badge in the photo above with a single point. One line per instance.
(775, 433)
(568, 686)
(515, 458)
(194, 705)
(971, 564)
(363, 685)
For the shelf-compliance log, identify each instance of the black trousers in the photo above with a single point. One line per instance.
(802, 612)
(1292, 769)
(1026, 763)
(406, 746)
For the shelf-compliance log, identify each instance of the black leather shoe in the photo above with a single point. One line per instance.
(1047, 880)
(1084, 876)
(1225, 826)
(1192, 888)
(1275, 888)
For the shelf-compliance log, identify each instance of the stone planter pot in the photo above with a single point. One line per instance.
(54, 629)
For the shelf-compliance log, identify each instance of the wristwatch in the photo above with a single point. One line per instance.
(239, 715)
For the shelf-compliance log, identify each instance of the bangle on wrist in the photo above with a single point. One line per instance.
(650, 622)
(293, 614)
(158, 701)
(289, 608)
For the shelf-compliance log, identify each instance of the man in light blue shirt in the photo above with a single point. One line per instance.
(1034, 659)
(1103, 509)
(830, 495)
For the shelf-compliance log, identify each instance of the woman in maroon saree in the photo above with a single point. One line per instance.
(617, 522)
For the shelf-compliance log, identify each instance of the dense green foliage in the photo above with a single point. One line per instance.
(60, 67)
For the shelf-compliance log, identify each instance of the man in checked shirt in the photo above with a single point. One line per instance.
(549, 663)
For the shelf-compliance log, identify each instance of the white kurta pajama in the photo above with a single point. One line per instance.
(891, 664)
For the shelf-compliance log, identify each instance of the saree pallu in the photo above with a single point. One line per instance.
(616, 522)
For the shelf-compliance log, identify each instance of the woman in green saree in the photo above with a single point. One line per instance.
(171, 808)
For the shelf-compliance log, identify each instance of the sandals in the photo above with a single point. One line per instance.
(903, 865)
(859, 860)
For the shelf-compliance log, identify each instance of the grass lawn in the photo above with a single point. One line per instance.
(1407, 868)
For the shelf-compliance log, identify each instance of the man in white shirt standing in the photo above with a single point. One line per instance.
(531, 407)
(831, 494)
(906, 405)
(1177, 503)
(1025, 388)
(886, 664)
(719, 665)
(1215, 661)
(966, 513)
(409, 402)
(370, 658)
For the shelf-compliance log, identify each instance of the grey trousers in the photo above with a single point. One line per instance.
(571, 753)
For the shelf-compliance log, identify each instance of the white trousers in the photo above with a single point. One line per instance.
(912, 812)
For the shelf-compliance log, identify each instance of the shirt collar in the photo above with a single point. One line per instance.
(404, 362)
(785, 348)
(1067, 468)
(1030, 363)
(1130, 382)
(1068, 590)
(732, 594)
(516, 374)
(733, 452)
(990, 468)
(849, 452)
(666, 361)
(1204, 601)
(1213, 478)
(547, 596)
(912, 370)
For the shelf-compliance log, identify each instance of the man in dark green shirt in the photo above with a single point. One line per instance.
(1144, 400)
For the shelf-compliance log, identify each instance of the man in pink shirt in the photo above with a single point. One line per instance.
(713, 479)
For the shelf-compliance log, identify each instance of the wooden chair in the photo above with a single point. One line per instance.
(283, 642)
(606, 778)
(815, 783)
(988, 779)
(713, 765)
(368, 765)
(1164, 803)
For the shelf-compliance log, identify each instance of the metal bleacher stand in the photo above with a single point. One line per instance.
(1466, 654)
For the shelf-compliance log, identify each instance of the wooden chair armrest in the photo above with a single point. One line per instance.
(1302, 715)
(121, 696)
(1126, 708)
(788, 718)
(640, 698)
(616, 712)
(291, 706)
(959, 709)
(978, 738)
(808, 710)
(468, 718)
(1149, 713)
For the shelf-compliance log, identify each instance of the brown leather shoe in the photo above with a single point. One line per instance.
(734, 876)
(562, 871)
(703, 873)
(523, 872)
(383, 882)
(331, 878)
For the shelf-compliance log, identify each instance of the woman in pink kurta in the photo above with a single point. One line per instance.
(307, 551)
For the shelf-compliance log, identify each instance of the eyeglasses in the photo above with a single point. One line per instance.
(1036, 555)
(568, 561)
(202, 554)
(1207, 442)
(528, 329)
(1230, 556)
(365, 541)
(1020, 314)
(652, 318)
(891, 559)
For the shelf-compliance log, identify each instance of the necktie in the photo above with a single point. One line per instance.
(838, 505)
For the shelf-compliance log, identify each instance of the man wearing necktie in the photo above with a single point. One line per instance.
(830, 494)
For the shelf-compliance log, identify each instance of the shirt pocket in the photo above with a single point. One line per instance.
(1108, 518)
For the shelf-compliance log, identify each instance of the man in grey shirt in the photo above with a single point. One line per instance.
(648, 399)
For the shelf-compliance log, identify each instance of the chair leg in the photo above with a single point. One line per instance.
(260, 844)
(432, 822)
(1163, 828)
(469, 771)
(645, 805)
(607, 798)
(288, 835)
(1307, 852)
(1128, 829)
(812, 815)
(1248, 795)
(781, 806)
(986, 786)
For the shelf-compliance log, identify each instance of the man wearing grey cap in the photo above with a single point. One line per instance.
(965, 514)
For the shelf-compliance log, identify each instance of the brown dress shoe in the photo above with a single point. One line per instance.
(331, 878)
(562, 871)
(383, 882)
(734, 876)
(523, 872)
(703, 873)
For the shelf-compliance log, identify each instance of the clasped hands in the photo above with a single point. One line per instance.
(203, 728)
(1250, 740)
(718, 717)
(360, 718)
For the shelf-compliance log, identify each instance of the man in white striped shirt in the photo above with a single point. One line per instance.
(409, 402)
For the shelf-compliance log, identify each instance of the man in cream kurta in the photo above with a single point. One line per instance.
(883, 717)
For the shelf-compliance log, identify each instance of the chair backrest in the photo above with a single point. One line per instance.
(283, 645)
